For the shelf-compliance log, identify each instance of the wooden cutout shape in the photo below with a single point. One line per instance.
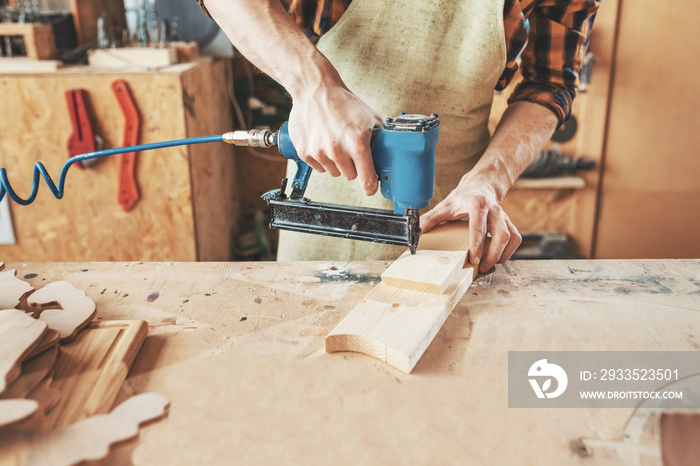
(63, 307)
(15, 411)
(12, 289)
(396, 325)
(19, 335)
(90, 370)
(430, 271)
(87, 440)
(51, 339)
(34, 370)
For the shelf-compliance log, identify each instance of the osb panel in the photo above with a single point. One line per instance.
(89, 224)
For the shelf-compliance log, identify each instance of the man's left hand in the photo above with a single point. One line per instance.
(475, 198)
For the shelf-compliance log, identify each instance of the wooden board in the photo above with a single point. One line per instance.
(24, 65)
(89, 371)
(396, 325)
(218, 329)
(148, 57)
(429, 271)
(19, 334)
(88, 224)
(87, 440)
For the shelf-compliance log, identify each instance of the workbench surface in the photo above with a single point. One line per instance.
(238, 349)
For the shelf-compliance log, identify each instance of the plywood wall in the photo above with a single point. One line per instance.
(89, 224)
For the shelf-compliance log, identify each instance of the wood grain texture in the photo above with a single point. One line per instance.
(12, 289)
(63, 307)
(19, 334)
(429, 271)
(87, 440)
(90, 370)
(396, 325)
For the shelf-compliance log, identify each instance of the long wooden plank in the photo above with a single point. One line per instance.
(396, 325)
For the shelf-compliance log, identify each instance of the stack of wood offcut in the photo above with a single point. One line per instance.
(60, 373)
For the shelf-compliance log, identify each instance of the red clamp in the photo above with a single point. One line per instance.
(83, 138)
(128, 191)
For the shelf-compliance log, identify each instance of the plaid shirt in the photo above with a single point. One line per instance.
(552, 50)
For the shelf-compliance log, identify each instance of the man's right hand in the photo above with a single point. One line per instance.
(329, 126)
(331, 129)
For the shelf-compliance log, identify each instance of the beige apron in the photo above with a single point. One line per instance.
(419, 56)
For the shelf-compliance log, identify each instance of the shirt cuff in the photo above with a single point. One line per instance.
(556, 98)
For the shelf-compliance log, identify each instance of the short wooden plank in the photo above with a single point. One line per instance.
(430, 271)
(90, 370)
(396, 324)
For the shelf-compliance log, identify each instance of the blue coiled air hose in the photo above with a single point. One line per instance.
(39, 168)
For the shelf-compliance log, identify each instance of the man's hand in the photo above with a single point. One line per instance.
(475, 198)
(522, 132)
(331, 129)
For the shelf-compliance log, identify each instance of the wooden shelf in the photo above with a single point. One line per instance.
(560, 182)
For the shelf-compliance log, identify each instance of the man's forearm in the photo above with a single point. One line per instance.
(521, 134)
(265, 34)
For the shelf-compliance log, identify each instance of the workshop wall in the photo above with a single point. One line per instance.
(650, 192)
(189, 204)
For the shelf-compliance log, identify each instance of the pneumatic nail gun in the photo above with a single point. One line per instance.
(404, 158)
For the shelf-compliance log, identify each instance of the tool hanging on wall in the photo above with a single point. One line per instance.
(83, 138)
(128, 190)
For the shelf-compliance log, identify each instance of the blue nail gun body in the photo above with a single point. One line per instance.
(404, 159)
